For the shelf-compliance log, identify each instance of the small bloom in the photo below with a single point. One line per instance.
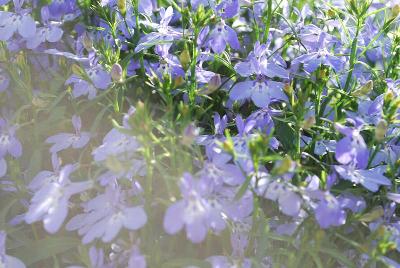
(50, 202)
(8, 141)
(106, 214)
(221, 36)
(75, 140)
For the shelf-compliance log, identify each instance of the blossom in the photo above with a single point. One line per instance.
(329, 212)
(8, 141)
(164, 33)
(262, 90)
(106, 214)
(75, 140)
(97, 78)
(222, 35)
(49, 32)
(319, 54)
(371, 179)
(193, 211)
(351, 148)
(50, 202)
(20, 22)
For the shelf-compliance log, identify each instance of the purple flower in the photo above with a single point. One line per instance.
(284, 193)
(193, 211)
(7, 260)
(50, 202)
(8, 142)
(20, 22)
(352, 148)
(371, 179)
(98, 77)
(320, 55)
(75, 140)
(222, 35)
(329, 212)
(49, 32)
(106, 214)
(229, 8)
(164, 34)
(261, 90)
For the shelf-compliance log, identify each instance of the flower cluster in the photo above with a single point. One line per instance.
(253, 134)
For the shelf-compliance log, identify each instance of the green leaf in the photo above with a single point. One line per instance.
(184, 262)
(43, 249)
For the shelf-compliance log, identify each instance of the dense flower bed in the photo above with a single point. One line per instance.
(199, 133)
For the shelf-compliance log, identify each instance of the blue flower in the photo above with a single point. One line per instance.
(20, 22)
(75, 140)
(50, 202)
(106, 214)
(262, 90)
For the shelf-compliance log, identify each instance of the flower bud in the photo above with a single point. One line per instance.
(389, 96)
(283, 166)
(309, 122)
(288, 89)
(184, 58)
(122, 7)
(87, 41)
(381, 130)
(189, 134)
(395, 10)
(116, 72)
(76, 69)
(364, 89)
(213, 84)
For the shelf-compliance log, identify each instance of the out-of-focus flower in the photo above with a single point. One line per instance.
(20, 22)
(75, 140)
(49, 32)
(8, 141)
(106, 214)
(50, 202)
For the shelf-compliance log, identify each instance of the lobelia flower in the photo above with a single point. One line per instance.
(329, 212)
(262, 90)
(320, 55)
(229, 8)
(164, 33)
(8, 261)
(352, 148)
(193, 212)
(49, 32)
(221, 36)
(50, 201)
(75, 140)
(98, 79)
(9, 144)
(371, 179)
(106, 214)
(20, 22)
(127, 254)
(169, 64)
(284, 193)
(369, 112)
